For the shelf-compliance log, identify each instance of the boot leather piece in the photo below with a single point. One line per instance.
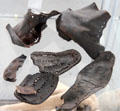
(10, 71)
(85, 27)
(56, 63)
(91, 79)
(39, 87)
(28, 32)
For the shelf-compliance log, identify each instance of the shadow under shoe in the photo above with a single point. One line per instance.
(28, 32)
(85, 27)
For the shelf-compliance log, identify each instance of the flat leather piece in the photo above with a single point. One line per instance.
(11, 70)
(43, 83)
(91, 79)
(28, 32)
(56, 63)
(85, 27)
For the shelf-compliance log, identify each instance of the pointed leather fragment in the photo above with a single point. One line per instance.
(56, 63)
(11, 70)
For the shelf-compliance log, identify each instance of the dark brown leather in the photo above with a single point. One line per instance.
(91, 79)
(44, 85)
(28, 32)
(11, 70)
(85, 27)
(56, 63)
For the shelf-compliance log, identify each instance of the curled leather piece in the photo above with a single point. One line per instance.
(43, 84)
(28, 32)
(85, 27)
(91, 79)
(10, 71)
(25, 90)
(56, 63)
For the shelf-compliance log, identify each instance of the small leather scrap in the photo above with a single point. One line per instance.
(11, 70)
(85, 27)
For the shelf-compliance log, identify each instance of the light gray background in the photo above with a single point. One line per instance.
(20, 6)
